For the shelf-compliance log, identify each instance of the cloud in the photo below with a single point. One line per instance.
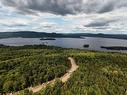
(104, 16)
(51, 6)
(14, 22)
(100, 23)
(97, 24)
(64, 7)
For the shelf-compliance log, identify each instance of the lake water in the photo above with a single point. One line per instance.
(94, 43)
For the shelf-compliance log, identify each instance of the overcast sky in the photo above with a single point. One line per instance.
(64, 16)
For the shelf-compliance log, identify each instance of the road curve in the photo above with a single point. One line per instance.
(73, 68)
(64, 78)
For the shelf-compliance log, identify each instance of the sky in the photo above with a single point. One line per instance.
(64, 16)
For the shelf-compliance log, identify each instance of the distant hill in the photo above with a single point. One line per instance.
(32, 34)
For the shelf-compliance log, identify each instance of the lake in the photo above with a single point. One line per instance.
(94, 42)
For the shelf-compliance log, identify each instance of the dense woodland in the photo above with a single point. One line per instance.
(22, 67)
(99, 73)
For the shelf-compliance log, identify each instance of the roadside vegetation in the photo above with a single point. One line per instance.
(22, 67)
(99, 73)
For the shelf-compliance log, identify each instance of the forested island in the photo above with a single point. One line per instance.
(86, 46)
(47, 38)
(114, 47)
(99, 73)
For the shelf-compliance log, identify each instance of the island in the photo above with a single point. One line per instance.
(2, 45)
(114, 47)
(47, 38)
(86, 46)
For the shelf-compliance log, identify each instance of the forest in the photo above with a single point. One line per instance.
(99, 73)
(22, 67)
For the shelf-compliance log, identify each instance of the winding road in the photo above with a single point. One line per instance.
(64, 78)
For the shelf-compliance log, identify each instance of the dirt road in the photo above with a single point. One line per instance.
(64, 78)
(73, 68)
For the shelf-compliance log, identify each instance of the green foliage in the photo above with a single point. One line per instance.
(22, 67)
(52, 90)
(99, 73)
(25, 92)
(8, 86)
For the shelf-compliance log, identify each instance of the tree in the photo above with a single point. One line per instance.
(8, 86)
(25, 92)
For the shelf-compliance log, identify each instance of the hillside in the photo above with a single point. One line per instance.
(22, 67)
(32, 34)
(99, 73)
